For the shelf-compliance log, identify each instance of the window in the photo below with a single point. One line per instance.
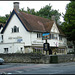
(15, 29)
(60, 37)
(38, 50)
(54, 36)
(39, 35)
(2, 38)
(61, 50)
(5, 50)
(70, 46)
(21, 50)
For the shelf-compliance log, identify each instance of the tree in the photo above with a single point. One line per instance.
(68, 26)
(29, 11)
(3, 19)
(45, 12)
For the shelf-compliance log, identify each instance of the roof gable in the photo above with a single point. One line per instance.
(54, 28)
(32, 23)
(7, 22)
(13, 12)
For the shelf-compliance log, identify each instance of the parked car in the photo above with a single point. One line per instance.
(1, 60)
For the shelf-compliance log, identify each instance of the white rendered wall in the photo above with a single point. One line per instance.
(35, 40)
(54, 42)
(0, 38)
(12, 47)
(29, 38)
(54, 29)
(25, 35)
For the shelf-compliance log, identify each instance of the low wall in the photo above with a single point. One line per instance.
(36, 58)
(66, 58)
(62, 58)
(25, 58)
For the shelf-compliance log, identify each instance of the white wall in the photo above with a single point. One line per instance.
(35, 40)
(22, 32)
(52, 42)
(12, 47)
(0, 38)
(29, 38)
(63, 42)
(54, 29)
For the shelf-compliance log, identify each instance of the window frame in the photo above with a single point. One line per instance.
(39, 35)
(54, 36)
(5, 50)
(60, 37)
(15, 29)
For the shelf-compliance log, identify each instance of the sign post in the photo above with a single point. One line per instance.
(45, 36)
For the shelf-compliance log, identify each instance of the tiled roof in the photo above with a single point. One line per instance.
(35, 23)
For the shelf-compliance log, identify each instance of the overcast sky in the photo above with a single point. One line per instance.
(7, 6)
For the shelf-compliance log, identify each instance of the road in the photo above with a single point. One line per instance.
(22, 68)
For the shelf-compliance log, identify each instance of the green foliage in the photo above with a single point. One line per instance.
(68, 26)
(29, 11)
(3, 19)
(45, 12)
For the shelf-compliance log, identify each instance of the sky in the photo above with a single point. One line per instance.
(7, 6)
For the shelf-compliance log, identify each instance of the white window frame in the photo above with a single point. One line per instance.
(39, 35)
(5, 50)
(54, 36)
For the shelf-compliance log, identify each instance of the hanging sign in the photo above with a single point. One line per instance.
(45, 36)
(46, 46)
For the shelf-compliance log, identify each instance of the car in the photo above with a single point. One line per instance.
(1, 60)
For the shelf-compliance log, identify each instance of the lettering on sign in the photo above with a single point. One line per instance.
(15, 38)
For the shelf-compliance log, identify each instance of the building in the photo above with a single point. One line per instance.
(23, 33)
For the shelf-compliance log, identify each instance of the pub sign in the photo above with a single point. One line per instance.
(46, 46)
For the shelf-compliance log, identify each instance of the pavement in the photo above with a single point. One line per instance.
(23, 68)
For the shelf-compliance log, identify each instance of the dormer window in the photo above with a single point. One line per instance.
(15, 29)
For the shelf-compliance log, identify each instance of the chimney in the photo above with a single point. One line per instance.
(53, 18)
(16, 6)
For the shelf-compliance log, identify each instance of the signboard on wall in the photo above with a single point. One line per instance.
(19, 40)
(45, 36)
